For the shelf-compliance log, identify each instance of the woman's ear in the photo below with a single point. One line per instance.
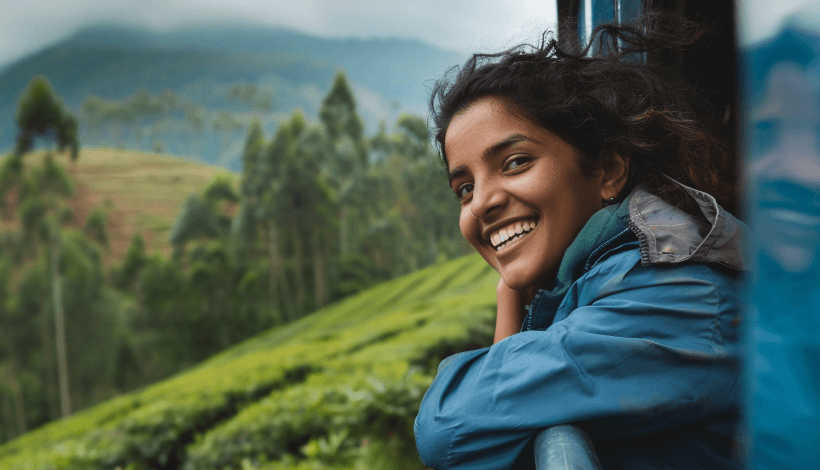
(614, 174)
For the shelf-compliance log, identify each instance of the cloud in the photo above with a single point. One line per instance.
(461, 25)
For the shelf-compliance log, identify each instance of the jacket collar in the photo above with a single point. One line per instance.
(666, 235)
(669, 235)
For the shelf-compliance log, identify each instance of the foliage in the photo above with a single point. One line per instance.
(220, 193)
(254, 146)
(221, 188)
(251, 95)
(194, 220)
(338, 111)
(338, 389)
(42, 114)
(321, 213)
(137, 181)
(135, 258)
(328, 211)
(226, 123)
(95, 227)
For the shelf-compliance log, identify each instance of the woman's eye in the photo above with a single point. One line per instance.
(516, 162)
(464, 190)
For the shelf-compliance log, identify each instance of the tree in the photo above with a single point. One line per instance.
(225, 125)
(220, 190)
(142, 107)
(315, 200)
(193, 220)
(41, 114)
(48, 214)
(277, 171)
(254, 147)
(244, 224)
(95, 226)
(11, 374)
(348, 166)
(415, 136)
(134, 260)
(338, 112)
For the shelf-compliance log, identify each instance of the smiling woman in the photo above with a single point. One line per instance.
(594, 187)
(502, 160)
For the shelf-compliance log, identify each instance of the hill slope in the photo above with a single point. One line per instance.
(146, 190)
(336, 389)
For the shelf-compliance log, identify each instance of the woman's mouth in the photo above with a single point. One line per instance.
(794, 217)
(512, 234)
(790, 218)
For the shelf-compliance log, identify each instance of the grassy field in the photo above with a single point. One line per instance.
(145, 189)
(337, 389)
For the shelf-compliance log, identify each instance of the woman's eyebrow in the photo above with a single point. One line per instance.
(457, 172)
(503, 144)
(492, 150)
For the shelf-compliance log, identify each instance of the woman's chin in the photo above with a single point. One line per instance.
(519, 281)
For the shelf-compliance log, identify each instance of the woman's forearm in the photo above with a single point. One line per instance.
(510, 312)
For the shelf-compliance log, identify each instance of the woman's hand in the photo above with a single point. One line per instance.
(511, 311)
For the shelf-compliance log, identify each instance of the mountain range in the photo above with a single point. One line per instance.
(388, 76)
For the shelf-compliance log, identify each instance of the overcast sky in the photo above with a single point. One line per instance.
(462, 25)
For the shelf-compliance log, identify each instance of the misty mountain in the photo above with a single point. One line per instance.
(200, 64)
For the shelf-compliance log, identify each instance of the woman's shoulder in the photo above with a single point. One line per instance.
(693, 304)
(623, 266)
(666, 247)
(621, 273)
(670, 235)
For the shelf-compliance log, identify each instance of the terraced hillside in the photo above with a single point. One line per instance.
(146, 190)
(336, 389)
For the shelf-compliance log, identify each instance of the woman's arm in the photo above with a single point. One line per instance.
(643, 349)
(511, 310)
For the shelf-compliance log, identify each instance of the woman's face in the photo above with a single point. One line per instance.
(524, 196)
(784, 168)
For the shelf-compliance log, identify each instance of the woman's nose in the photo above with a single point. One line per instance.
(487, 197)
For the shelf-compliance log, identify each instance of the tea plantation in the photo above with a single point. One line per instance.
(337, 389)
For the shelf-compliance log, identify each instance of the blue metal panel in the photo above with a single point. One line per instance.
(593, 13)
(585, 25)
(628, 10)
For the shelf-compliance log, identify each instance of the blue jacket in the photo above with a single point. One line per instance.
(636, 342)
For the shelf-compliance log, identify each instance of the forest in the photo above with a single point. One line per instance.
(319, 213)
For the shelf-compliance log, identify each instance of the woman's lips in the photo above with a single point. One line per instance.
(514, 241)
(789, 220)
(511, 231)
(791, 216)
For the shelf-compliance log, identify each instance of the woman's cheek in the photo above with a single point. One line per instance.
(465, 225)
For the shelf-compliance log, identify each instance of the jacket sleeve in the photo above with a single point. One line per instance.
(641, 351)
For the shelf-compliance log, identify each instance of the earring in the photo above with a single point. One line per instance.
(610, 202)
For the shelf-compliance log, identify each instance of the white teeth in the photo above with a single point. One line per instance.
(511, 233)
(512, 240)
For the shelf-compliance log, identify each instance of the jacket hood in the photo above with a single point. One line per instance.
(670, 235)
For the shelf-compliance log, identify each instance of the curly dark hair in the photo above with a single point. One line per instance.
(603, 101)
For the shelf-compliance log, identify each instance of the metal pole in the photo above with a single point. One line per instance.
(564, 447)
